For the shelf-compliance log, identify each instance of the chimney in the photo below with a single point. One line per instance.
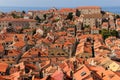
(25, 38)
(15, 38)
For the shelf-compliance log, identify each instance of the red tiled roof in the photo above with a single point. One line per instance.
(3, 67)
(19, 44)
(78, 74)
(58, 75)
(1, 48)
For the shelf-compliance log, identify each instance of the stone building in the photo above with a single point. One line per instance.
(89, 9)
(11, 22)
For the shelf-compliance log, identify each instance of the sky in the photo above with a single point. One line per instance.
(58, 3)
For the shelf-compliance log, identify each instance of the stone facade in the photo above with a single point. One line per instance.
(6, 22)
(90, 10)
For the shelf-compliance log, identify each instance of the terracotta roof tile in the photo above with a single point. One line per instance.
(58, 75)
(1, 48)
(3, 67)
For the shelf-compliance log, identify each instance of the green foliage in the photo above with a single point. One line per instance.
(63, 29)
(78, 13)
(15, 16)
(104, 20)
(102, 12)
(113, 32)
(86, 26)
(23, 12)
(56, 20)
(37, 19)
(106, 33)
(117, 16)
(70, 16)
(45, 16)
(26, 27)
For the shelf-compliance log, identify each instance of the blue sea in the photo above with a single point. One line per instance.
(112, 9)
(8, 9)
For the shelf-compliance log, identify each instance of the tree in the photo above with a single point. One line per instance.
(113, 33)
(117, 16)
(23, 12)
(104, 20)
(45, 16)
(26, 27)
(102, 12)
(37, 19)
(15, 16)
(105, 33)
(87, 26)
(78, 12)
(70, 16)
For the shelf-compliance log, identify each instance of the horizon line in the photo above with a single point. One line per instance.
(59, 6)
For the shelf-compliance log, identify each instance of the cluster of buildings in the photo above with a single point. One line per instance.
(65, 44)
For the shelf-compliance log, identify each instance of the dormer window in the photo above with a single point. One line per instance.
(83, 73)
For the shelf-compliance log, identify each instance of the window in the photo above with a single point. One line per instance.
(34, 62)
(81, 57)
(58, 54)
(52, 53)
(11, 42)
(62, 53)
(1, 73)
(6, 43)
